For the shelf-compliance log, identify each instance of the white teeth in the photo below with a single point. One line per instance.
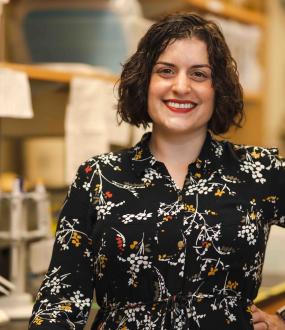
(181, 105)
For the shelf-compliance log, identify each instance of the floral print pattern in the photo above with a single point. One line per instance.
(160, 257)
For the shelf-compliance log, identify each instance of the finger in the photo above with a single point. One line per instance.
(253, 308)
(260, 326)
(258, 316)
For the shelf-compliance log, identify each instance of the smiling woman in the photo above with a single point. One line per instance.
(138, 70)
(181, 83)
(172, 232)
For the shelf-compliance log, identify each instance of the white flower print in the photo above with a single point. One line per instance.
(67, 235)
(142, 216)
(78, 301)
(255, 169)
(55, 281)
(86, 185)
(218, 148)
(137, 261)
(201, 187)
(149, 175)
(232, 318)
(107, 159)
(105, 209)
(170, 209)
(255, 270)
(248, 231)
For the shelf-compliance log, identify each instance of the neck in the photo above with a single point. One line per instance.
(175, 148)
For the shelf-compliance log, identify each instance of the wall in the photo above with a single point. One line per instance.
(275, 78)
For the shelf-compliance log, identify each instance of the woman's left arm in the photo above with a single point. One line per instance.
(265, 321)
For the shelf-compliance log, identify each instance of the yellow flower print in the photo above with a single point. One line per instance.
(206, 244)
(167, 218)
(253, 201)
(212, 271)
(38, 320)
(133, 245)
(163, 257)
(180, 245)
(98, 187)
(138, 155)
(200, 297)
(198, 163)
(211, 212)
(255, 154)
(219, 193)
(76, 239)
(232, 285)
(197, 175)
(189, 208)
(39, 295)
(248, 309)
(66, 308)
(124, 327)
(271, 199)
(252, 215)
(102, 260)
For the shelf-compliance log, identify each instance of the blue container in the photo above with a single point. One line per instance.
(94, 37)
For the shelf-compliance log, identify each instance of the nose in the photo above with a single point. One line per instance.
(182, 84)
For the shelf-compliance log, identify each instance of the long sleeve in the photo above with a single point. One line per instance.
(277, 199)
(65, 296)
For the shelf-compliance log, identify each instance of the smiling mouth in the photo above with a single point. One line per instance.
(180, 106)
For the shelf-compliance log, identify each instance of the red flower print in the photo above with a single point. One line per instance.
(88, 169)
(108, 194)
(120, 242)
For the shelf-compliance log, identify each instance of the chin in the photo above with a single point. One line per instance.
(179, 130)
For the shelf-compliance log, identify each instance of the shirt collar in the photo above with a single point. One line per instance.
(141, 158)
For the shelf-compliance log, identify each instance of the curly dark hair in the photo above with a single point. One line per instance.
(136, 73)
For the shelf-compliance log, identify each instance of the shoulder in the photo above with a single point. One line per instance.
(107, 159)
(267, 158)
(92, 167)
(256, 152)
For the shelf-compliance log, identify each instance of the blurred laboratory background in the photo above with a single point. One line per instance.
(59, 62)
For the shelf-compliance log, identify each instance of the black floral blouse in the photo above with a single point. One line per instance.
(159, 257)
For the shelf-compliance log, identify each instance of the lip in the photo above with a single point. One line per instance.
(180, 110)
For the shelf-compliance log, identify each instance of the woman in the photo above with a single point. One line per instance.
(172, 232)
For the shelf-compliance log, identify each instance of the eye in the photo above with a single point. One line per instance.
(165, 72)
(200, 75)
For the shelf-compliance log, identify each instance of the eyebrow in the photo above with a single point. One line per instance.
(197, 66)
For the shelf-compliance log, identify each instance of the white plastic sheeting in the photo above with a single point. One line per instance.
(15, 94)
(90, 123)
(244, 41)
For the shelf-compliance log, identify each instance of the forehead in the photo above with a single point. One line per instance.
(187, 48)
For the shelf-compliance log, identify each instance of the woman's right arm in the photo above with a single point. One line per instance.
(65, 296)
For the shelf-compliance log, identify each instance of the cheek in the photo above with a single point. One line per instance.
(209, 96)
(157, 87)
(209, 103)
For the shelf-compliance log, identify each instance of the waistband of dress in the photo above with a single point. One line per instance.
(179, 298)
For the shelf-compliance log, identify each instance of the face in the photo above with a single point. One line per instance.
(181, 94)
